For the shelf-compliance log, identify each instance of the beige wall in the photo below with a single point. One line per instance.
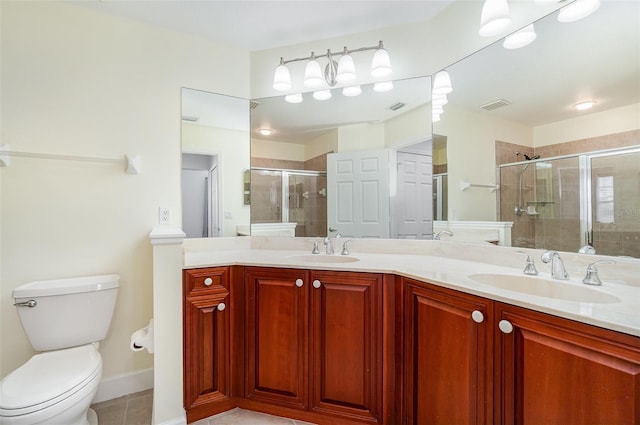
(81, 83)
(471, 140)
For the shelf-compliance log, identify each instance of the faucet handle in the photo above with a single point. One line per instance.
(592, 277)
(315, 250)
(530, 268)
(345, 247)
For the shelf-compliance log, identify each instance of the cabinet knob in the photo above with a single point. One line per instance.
(505, 326)
(208, 281)
(221, 306)
(299, 283)
(477, 316)
(317, 284)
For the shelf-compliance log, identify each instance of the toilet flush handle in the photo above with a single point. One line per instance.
(30, 304)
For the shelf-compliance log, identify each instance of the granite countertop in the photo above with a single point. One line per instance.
(448, 265)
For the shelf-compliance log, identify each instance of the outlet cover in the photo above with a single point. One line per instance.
(164, 215)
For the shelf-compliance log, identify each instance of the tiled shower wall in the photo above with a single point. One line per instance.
(555, 224)
(307, 207)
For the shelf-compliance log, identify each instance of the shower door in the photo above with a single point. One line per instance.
(614, 204)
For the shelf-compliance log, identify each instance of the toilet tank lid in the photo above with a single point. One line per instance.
(44, 288)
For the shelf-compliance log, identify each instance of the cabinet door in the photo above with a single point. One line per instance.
(277, 336)
(346, 344)
(448, 356)
(556, 371)
(206, 341)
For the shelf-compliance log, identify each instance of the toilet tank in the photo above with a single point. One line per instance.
(66, 312)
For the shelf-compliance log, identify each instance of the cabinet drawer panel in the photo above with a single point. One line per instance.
(205, 281)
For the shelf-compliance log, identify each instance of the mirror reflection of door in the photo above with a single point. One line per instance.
(200, 195)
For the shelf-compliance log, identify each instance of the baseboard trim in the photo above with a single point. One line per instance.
(121, 385)
(176, 421)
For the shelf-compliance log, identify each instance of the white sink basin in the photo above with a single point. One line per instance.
(545, 288)
(320, 258)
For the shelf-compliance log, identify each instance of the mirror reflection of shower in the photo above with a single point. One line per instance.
(520, 208)
(200, 195)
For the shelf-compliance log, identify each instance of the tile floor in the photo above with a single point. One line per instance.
(135, 409)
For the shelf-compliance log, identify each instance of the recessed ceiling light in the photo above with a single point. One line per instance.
(584, 105)
(293, 98)
(265, 131)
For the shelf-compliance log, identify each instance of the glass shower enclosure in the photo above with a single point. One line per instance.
(290, 196)
(565, 203)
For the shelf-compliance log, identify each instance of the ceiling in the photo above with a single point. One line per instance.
(260, 25)
(598, 57)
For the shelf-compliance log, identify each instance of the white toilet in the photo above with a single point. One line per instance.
(64, 320)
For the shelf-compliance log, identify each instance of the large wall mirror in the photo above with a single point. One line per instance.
(358, 166)
(518, 151)
(215, 158)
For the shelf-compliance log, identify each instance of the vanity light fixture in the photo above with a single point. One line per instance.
(442, 83)
(322, 94)
(382, 87)
(520, 38)
(584, 105)
(577, 10)
(439, 99)
(265, 131)
(293, 98)
(352, 91)
(342, 72)
(495, 17)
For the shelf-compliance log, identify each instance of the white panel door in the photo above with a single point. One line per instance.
(358, 194)
(413, 206)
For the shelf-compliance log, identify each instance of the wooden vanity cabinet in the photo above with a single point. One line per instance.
(314, 341)
(551, 370)
(206, 341)
(515, 366)
(448, 353)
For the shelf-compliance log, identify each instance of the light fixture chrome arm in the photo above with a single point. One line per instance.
(329, 53)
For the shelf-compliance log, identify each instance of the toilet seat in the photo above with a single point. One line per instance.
(47, 379)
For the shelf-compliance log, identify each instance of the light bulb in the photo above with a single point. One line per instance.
(495, 17)
(282, 78)
(352, 91)
(265, 131)
(293, 98)
(577, 10)
(383, 86)
(346, 69)
(521, 38)
(380, 64)
(313, 74)
(322, 94)
(442, 83)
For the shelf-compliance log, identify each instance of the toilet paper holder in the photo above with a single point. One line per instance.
(143, 338)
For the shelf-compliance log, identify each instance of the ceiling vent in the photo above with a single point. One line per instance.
(253, 104)
(397, 106)
(495, 104)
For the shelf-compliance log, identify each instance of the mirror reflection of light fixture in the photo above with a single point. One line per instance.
(293, 98)
(351, 91)
(439, 99)
(342, 72)
(265, 131)
(442, 83)
(322, 94)
(383, 86)
(495, 17)
(520, 38)
(577, 10)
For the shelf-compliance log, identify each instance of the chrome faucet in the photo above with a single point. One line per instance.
(328, 245)
(345, 247)
(592, 277)
(436, 237)
(558, 270)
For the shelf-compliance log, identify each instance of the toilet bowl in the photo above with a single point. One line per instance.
(56, 386)
(52, 388)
